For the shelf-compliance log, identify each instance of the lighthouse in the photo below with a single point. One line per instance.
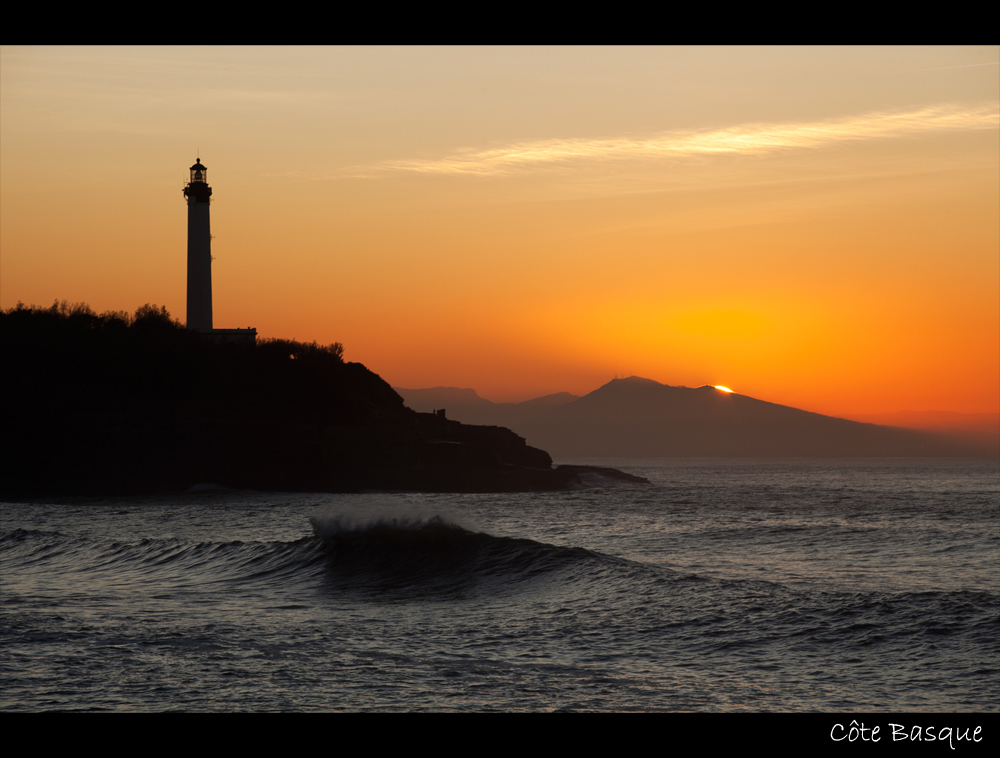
(199, 250)
(199, 293)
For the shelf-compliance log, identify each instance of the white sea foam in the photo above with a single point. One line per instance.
(342, 518)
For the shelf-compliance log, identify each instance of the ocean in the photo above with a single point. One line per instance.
(723, 586)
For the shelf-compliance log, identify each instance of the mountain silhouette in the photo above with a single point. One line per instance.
(637, 417)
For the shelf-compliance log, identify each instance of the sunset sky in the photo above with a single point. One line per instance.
(817, 227)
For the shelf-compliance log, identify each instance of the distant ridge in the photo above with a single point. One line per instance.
(434, 398)
(467, 406)
(937, 420)
(639, 417)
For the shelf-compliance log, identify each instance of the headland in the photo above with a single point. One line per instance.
(116, 403)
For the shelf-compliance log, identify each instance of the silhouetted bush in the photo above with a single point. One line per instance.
(300, 350)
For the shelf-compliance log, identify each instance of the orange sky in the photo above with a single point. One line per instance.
(818, 227)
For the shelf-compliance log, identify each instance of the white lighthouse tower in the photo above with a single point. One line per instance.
(199, 258)
(199, 292)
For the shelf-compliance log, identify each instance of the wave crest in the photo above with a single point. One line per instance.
(332, 522)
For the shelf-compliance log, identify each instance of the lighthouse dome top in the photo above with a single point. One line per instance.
(199, 172)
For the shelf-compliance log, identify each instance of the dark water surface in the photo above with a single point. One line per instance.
(794, 585)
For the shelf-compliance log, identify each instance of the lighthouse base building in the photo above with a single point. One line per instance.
(199, 262)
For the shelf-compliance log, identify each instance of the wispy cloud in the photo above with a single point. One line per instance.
(744, 139)
(964, 65)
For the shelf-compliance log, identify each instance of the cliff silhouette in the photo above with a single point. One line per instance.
(638, 417)
(121, 403)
